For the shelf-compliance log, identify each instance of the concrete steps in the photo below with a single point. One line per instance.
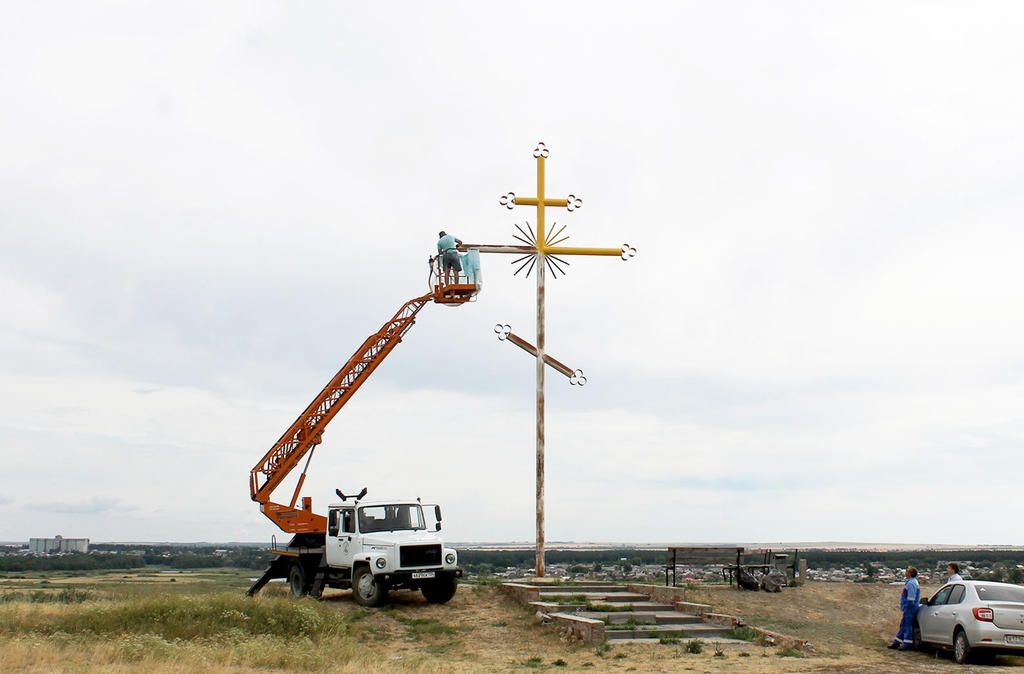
(624, 636)
(582, 587)
(683, 632)
(620, 618)
(629, 616)
(640, 619)
(607, 596)
(652, 607)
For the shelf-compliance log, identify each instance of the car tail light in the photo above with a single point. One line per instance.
(984, 614)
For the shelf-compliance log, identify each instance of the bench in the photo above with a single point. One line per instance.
(763, 559)
(730, 560)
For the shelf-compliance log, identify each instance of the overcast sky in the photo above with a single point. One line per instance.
(205, 210)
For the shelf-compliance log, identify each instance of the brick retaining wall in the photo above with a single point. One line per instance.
(524, 594)
(692, 608)
(658, 593)
(722, 620)
(574, 627)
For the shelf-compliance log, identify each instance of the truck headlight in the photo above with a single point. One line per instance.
(449, 558)
(381, 562)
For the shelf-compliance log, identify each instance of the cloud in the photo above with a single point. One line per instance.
(93, 506)
(826, 287)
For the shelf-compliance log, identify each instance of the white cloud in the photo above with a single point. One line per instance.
(93, 506)
(203, 219)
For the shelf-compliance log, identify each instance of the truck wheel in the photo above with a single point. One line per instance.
(367, 590)
(440, 591)
(297, 579)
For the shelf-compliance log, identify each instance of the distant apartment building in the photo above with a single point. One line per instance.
(56, 545)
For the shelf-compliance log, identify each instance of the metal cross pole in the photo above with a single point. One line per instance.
(543, 246)
(576, 377)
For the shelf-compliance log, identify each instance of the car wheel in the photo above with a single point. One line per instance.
(919, 645)
(440, 591)
(961, 647)
(297, 580)
(367, 590)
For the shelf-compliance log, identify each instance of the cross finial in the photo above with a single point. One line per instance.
(571, 203)
(547, 245)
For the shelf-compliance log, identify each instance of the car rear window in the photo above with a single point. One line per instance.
(957, 595)
(1000, 592)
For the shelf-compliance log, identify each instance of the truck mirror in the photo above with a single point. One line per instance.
(437, 512)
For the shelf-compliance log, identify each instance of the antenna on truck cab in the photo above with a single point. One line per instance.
(357, 497)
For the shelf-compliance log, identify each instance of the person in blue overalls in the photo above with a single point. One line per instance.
(446, 248)
(909, 602)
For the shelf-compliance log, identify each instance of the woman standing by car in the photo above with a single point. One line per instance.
(909, 601)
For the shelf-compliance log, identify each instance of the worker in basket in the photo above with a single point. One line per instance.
(446, 248)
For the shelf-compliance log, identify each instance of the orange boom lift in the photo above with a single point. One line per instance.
(306, 432)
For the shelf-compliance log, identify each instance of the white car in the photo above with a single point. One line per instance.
(973, 617)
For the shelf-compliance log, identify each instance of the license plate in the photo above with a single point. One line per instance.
(1014, 638)
(423, 574)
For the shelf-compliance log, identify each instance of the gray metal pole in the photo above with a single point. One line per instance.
(540, 415)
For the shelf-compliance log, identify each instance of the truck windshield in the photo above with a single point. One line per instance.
(390, 518)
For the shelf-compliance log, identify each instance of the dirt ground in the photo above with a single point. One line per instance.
(480, 630)
(848, 625)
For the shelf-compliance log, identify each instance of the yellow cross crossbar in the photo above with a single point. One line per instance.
(542, 203)
(572, 250)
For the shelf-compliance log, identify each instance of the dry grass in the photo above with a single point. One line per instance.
(832, 615)
(848, 624)
(154, 626)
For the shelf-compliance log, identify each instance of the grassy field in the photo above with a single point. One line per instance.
(162, 621)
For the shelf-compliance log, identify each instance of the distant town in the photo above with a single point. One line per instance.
(512, 561)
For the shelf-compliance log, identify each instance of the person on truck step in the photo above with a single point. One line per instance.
(446, 248)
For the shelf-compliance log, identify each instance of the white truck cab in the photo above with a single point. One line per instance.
(386, 544)
(371, 547)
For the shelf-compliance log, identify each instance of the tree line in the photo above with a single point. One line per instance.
(116, 556)
(923, 559)
(70, 562)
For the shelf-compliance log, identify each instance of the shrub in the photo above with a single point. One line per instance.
(743, 634)
(695, 646)
(70, 595)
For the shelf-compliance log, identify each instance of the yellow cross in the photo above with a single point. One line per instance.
(541, 201)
